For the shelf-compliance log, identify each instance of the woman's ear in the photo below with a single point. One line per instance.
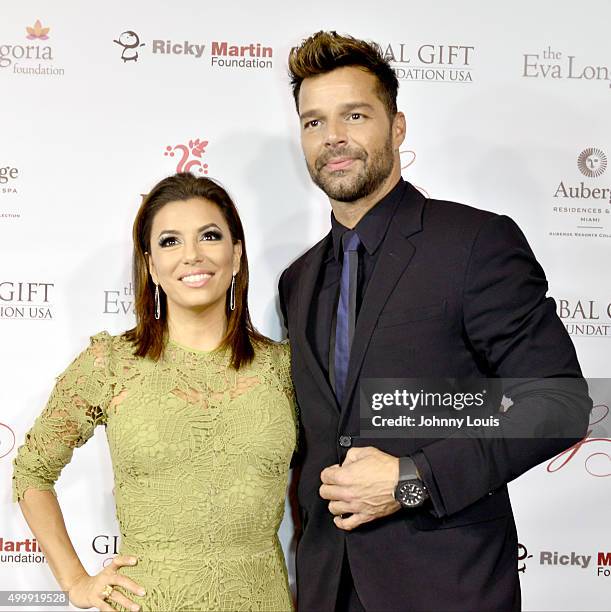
(151, 267)
(237, 256)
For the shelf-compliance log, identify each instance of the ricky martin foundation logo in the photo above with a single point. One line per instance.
(582, 208)
(428, 61)
(30, 59)
(217, 53)
(597, 563)
(592, 162)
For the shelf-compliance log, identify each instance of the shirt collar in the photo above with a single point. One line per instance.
(373, 226)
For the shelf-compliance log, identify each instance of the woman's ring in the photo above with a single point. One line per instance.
(106, 593)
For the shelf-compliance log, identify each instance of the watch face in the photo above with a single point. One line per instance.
(411, 494)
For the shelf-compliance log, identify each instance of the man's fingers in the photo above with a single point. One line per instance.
(335, 493)
(356, 453)
(339, 507)
(330, 474)
(349, 523)
(329, 492)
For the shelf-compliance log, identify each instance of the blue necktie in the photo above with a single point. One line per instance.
(346, 311)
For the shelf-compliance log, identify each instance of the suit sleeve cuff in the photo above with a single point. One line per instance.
(427, 477)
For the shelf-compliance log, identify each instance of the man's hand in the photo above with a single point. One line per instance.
(363, 486)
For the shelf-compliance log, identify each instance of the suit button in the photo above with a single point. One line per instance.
(345, 441)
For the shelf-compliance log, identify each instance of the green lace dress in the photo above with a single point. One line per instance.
(200, 454)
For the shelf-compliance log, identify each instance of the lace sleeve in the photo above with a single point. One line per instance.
(76, 407)
(284, 373)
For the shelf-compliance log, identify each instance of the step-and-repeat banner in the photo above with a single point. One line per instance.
(507, 106)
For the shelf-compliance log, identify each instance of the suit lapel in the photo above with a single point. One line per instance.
(395, 255)
(307, 284)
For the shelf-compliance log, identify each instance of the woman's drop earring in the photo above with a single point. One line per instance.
(232, 294)
(157, 303)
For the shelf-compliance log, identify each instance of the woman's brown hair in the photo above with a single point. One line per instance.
(150, 335)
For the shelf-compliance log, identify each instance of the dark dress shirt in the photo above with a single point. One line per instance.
(371, 230)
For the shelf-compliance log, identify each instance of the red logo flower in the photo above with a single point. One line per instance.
(195, 149)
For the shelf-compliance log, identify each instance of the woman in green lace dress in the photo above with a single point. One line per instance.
(199, 414)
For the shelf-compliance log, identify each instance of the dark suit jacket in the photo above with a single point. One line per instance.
(456, 292)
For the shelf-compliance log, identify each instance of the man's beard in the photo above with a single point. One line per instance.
(377, 168)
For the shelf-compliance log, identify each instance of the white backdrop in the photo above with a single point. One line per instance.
(502, 100)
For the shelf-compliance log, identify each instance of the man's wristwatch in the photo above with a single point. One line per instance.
(410, 491)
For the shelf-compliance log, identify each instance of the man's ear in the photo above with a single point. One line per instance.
(399, 130)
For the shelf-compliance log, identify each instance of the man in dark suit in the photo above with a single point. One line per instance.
(405, 286)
